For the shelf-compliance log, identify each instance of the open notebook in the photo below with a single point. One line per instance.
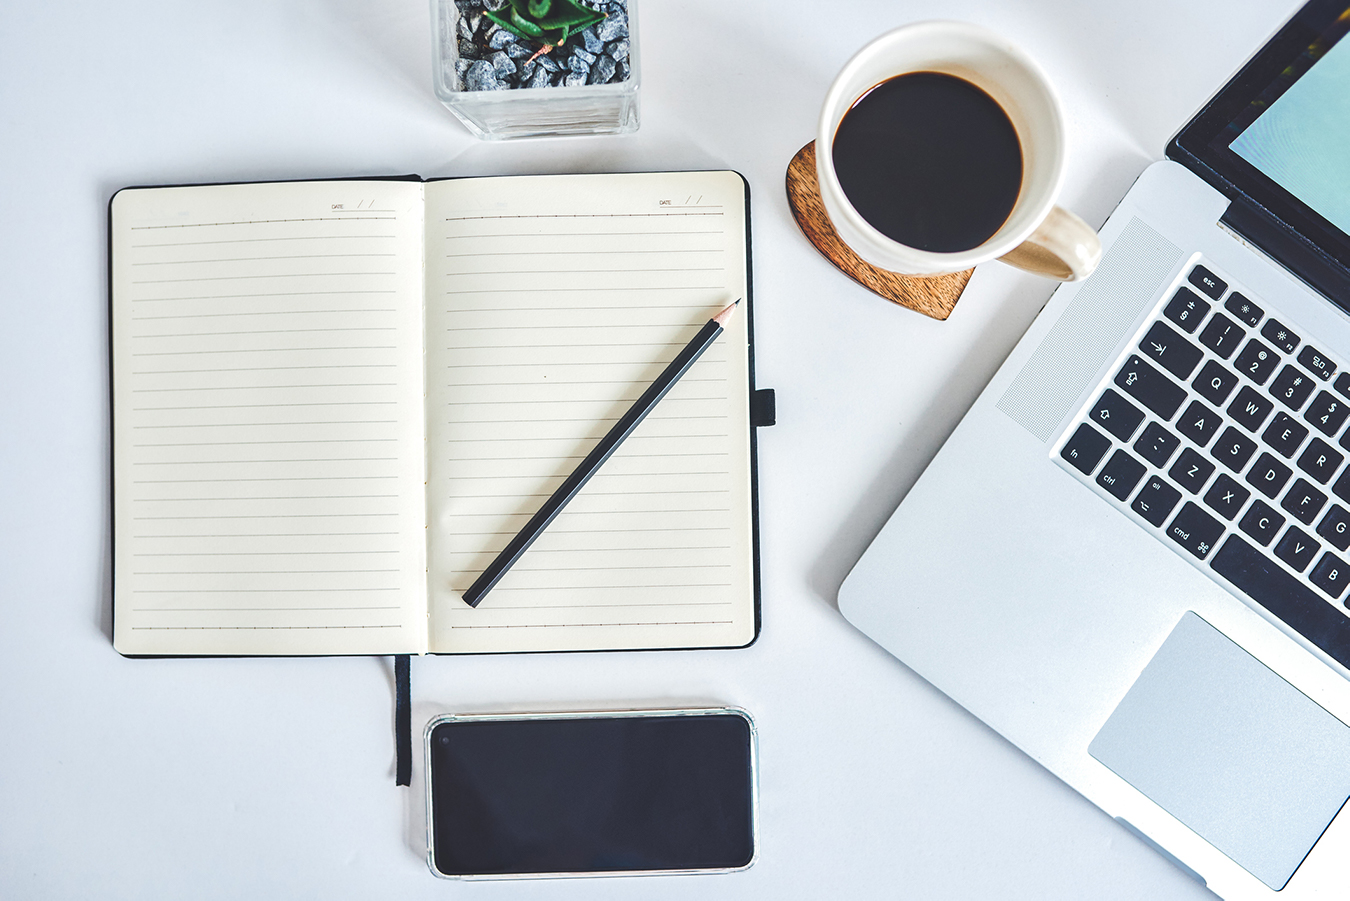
(334, 402)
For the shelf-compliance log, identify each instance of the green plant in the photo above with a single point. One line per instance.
(551, 22)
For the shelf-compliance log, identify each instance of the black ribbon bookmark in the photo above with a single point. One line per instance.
(402, 721)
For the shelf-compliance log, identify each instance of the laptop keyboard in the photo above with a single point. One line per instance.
(1221, 432)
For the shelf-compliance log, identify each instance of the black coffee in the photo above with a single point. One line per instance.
(930, 160)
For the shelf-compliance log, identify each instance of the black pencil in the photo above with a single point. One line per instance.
(587, 468)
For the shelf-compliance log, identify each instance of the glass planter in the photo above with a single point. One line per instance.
(570, 109)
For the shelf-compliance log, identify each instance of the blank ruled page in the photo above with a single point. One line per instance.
(267, 406)
(552, 302)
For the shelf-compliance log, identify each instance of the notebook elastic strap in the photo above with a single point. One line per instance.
(763, 408)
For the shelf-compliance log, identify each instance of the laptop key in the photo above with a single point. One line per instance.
(1117, 415)
(1150, 387)
(1335, 527)
(1214, 383)
(1226, 497)
(1195, 530)
(1157, 432)
(1221, 335)
(1191, 471)
(1296, 549)
(1085, 449)
(1330, 574)
(1342, 384)
(1250, 409)
(1342, 487)
(1268, 475)
(1186, 309)
(1285, 434)
(1120, 474)
(1292, 388)
(1261, 522)
(1317, 364)
(1320, 461)
(1233, 449)
(1198, 423)
(1245, 311)
(1274, 332)
(1327, 413)
(1156, 445)
(1256, 361)
(1207, 281)
(1155, 500)
(1263, 581)
(1304, 501)
(1177, 355)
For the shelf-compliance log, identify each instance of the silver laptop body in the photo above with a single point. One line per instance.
(1065, 575)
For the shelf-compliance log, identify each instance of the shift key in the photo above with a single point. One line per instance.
(1150, 387)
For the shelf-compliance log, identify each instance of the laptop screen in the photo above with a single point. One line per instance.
(1276, 134)
(1302, 140)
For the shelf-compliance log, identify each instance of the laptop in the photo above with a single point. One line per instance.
(1132, 556)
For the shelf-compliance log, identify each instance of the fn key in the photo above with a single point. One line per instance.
(1085, 449)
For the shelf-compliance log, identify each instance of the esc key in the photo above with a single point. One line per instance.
(1208, 282)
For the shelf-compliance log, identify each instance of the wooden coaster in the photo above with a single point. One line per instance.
(934, 296)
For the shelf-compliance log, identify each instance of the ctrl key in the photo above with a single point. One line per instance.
(1120, 474)
(1085, 449)
(1195, 530)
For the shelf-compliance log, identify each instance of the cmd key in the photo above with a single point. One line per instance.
(1195, 530)
(1144, 383)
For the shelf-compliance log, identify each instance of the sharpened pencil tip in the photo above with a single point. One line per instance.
(722, 317)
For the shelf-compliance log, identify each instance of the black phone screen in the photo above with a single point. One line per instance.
(592, 794)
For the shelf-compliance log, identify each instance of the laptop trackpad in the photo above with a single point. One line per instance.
(1230, 749)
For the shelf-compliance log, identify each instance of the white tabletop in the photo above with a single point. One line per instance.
(253, 778)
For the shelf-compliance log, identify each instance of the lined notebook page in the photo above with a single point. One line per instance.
(267, 406)
(552, 302)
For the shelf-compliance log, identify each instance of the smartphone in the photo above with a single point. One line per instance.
(584, 794)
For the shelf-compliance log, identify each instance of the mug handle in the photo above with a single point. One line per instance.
(1064, 247)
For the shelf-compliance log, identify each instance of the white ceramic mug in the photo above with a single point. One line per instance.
(1037, 235)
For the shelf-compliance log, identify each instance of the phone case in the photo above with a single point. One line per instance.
(594, 714)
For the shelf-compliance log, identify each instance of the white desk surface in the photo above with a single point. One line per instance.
(258, 778)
